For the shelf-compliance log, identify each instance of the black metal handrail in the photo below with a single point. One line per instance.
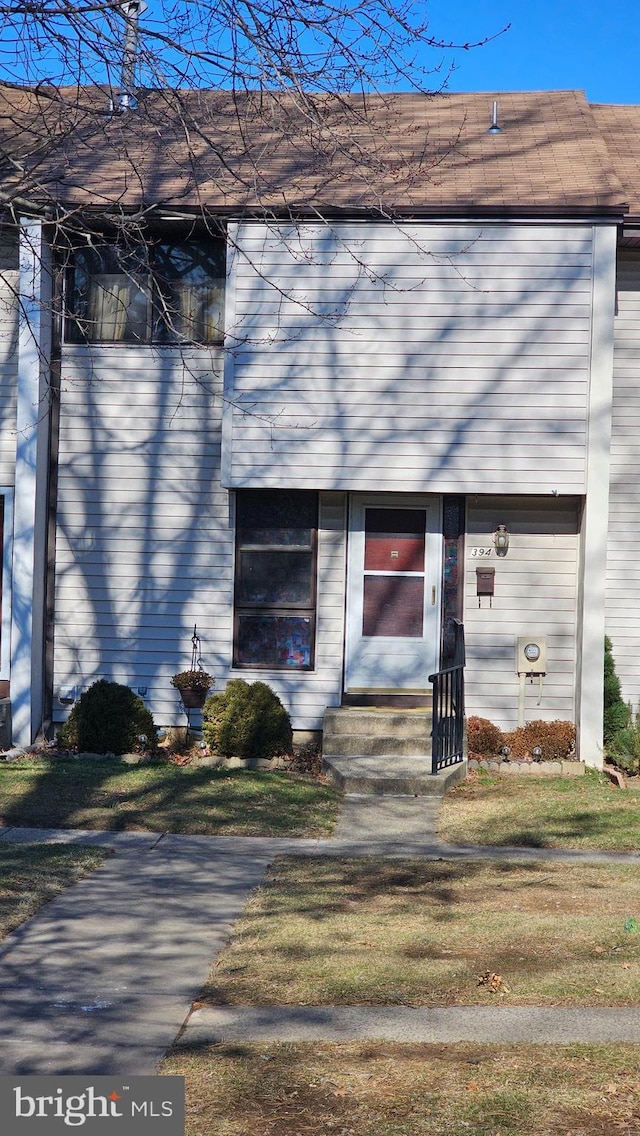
(448, 708)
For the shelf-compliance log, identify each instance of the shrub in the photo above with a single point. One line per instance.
(246, 720)
(623, 748)
(483, 737)
(616, 712)
(108, 718)
(556, 740)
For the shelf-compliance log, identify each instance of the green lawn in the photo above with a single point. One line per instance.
(558, 812)
(379, 1089)
(163, 797)
(32, 874)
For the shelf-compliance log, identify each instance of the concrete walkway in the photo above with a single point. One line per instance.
(101, 980)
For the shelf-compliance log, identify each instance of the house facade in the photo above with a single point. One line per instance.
(332, 429)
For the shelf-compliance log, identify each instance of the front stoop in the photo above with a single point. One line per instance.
(352, 732)
(391, 775)
(383, 752)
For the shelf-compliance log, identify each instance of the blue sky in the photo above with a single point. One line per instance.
(590, 45)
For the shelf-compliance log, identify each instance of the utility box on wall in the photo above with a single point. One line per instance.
(531, 654)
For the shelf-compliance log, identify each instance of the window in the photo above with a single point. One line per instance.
(276, 534)
(162, 291)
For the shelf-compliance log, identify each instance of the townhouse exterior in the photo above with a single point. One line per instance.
(357, 408)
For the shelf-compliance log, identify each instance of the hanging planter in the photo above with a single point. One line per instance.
(193, 687)
(194, 684)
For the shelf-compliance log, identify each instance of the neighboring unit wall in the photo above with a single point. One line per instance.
(536, 589)
(410, 357)
(623, 559)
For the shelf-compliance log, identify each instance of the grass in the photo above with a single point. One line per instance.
(163, 797)
(584, 812)
(422, 933)
(32, 874)
(410, 1090)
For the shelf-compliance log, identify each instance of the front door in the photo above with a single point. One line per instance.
(393, 594)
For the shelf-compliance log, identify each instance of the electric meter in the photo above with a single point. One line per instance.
(531, 655)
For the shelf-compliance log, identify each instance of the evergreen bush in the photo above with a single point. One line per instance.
(246, 720)
(623, 747)
(616, 712)
(108, 718)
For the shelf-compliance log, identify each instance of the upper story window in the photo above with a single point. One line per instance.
(163, 291)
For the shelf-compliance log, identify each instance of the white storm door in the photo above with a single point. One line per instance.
(393, 594)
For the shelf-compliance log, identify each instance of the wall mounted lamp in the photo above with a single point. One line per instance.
(501, 540)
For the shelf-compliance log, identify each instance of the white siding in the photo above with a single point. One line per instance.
(8, 375)
(413, 358)
(536, 587)
(144, 546)
(623, 560)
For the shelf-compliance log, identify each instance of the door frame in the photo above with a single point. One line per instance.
(358, 502)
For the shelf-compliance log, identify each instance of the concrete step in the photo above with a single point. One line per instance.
(351, 732)
(354, 745)
(391, 775)
(378, 723)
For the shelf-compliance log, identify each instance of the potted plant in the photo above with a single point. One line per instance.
(193, 686)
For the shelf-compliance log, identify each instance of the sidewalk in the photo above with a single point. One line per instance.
(101, 980)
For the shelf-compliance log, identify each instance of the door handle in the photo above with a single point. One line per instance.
(433, 595)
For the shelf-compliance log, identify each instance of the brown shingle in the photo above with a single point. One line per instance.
(394, 153)
(620, 129)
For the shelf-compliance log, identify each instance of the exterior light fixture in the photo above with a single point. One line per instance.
(536, 752)
(501, 540)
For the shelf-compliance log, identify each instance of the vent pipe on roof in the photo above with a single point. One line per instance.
(131, 10)
(494, 128)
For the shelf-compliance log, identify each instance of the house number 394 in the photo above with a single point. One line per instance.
(480, 552)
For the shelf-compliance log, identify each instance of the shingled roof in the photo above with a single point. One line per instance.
(620, 130)
(393, 154)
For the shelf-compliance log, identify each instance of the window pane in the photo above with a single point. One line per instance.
(109, 296)
(273, 640)
(393, 606)
(275, 578)
(277, 518)
(117, 310)
(190, 280)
